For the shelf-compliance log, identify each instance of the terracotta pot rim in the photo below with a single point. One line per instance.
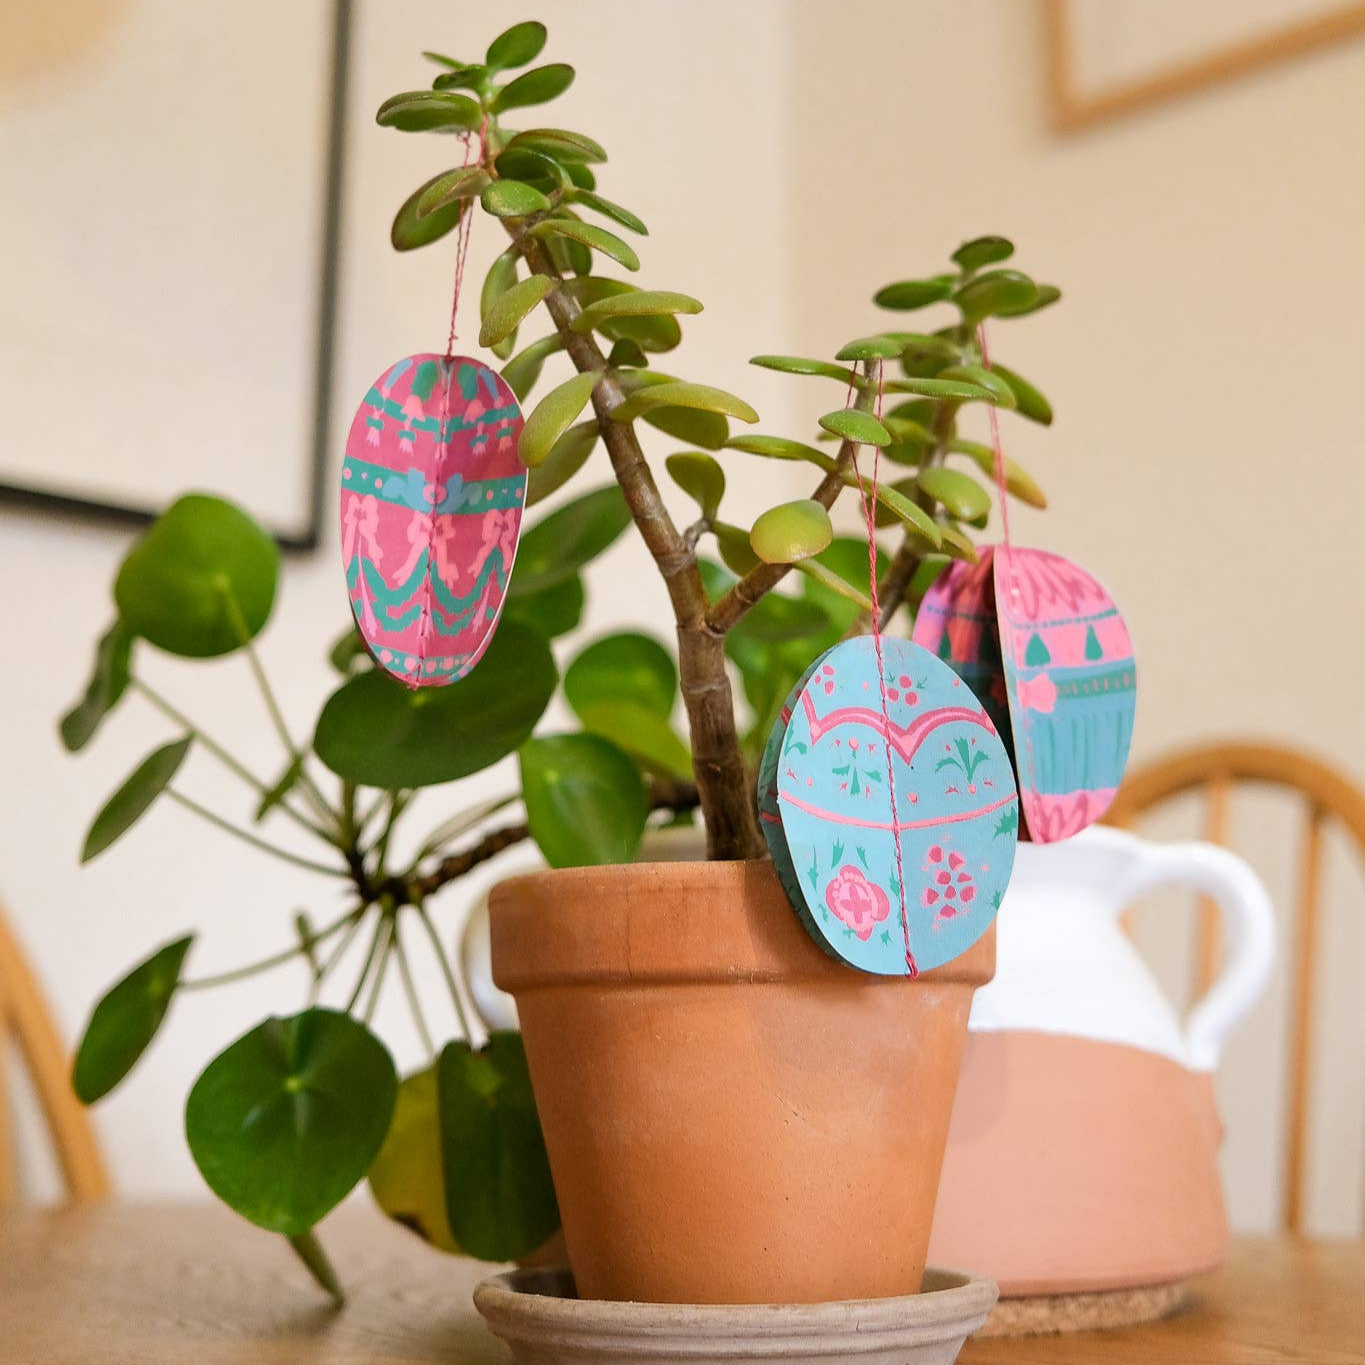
(675, 922)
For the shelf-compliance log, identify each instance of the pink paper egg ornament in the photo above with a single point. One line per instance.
(1042, 643)
(432, 495)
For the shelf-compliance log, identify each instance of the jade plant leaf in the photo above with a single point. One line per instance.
(408, 1176)
(679, 395)
(500, 1200)
(1030, 402)
(553, 416)
(590, 235)
(700, 476)
(560, 544)
(870, 348)
(791, 531)
(537, 86)
(1046, 294)
(201, 581)
(959, 493)
(995, 292)
(516, 46)
(981, 251)
(506, 312)
(634, 303)
(780, 448)
(462, 183)
(124, 1022)
(523, 370)
(376, 732)
(609, 209)
(955, 390)
(998, 391)
(795, 364)
(585, 800)
(553, 611)
(286, 1120)
(512, 199)
(109, 680)
(130, 802)
(412, 229)
(852, 425)
(1018, 481)
(563, 145)
(567, 456)
(422, 111)
(910, 294)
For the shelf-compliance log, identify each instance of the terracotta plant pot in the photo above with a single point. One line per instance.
(732, 1116)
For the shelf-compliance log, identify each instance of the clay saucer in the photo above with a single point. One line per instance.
(537, 1314)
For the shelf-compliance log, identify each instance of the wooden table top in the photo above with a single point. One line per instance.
(115, 1283)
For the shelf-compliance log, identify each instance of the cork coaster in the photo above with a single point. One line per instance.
(1041, 1314)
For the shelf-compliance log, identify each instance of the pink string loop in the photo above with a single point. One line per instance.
(868, 495)
(999, 452)
(462, 234)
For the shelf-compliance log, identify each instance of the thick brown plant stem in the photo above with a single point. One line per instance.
(722, 783)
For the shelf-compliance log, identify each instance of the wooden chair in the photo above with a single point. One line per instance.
(1214, 770)
(26, 1020)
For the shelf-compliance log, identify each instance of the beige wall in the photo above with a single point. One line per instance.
(1204, 462)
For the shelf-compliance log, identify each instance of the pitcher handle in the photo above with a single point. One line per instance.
(1248, 935)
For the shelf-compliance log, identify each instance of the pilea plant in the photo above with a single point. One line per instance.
(294, 1114)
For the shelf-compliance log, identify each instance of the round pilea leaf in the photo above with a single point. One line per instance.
(431, 500)
(201, 581)
(285, 1121)
(825, 803)
(1055, 649)
(125, 1021)
(373, 732)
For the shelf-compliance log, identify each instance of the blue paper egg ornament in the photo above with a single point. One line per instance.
(825, 807)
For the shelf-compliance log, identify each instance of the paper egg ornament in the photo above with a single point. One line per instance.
(825, 808)
(432, 494)
(1045, 647)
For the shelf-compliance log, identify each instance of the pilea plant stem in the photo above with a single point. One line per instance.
(247, 837)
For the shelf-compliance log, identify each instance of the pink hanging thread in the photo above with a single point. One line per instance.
(868, 495)
(999, 459)
(462, 235)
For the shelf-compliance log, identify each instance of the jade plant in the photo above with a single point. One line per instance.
(296, 1112)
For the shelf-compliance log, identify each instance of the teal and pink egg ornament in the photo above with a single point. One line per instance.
(825, 791)
(1046, 647)
(432, 494)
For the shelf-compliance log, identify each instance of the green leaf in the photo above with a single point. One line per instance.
(567, 456)
(780, 448)
(585, 800)
(422, 111)
(125, 1021)
(971, 256)
(599, 239)
(127, 805)
(508, 310)
(636, 303)
(653, 333)
(200, 571)
(700, 476)
(995, 292)
(566, 147)
(286, 1120)
(910, 294)
(706, 429)
(516, 46)
(411, 229)
(286, 783)
(626, 354)
(500, 1200)
(908, 512)
(672, 394)
(408, 1177)
(523, 370)
(1030, 402)
(795, 364)
(460, 76)
(734, 547)
(376, 732)
(537, 86)
(560, 544)
(1046, 294)
(827, 578)
(623, 667)
(512, 199)
(349, 649)
(580, 174)
(776, 618)
(463, 183)
(608, 209)
(553, 416)
(108, 681)
(1018, 481)
(845, 559)
(1000, 393)
(441, 59)
(535, 168)
(502, 276)
(852, 425)
(870, 348)
(791, 531)
(962, 496)
(958, 545)
(553, 611)
(952, 390)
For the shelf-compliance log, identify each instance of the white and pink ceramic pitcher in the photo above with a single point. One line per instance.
(1083, 1152)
